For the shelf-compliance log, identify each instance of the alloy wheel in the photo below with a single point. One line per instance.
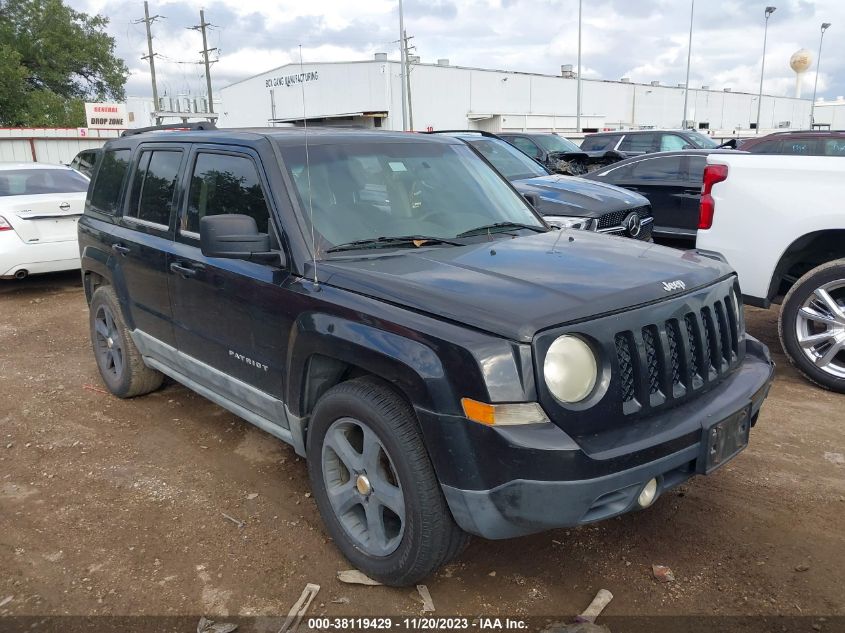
(820, 328)
(362, 487)
(107, 343)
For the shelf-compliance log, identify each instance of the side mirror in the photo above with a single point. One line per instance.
(533, 199)
(234, 236)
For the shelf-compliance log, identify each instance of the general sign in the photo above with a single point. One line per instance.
(106, 115)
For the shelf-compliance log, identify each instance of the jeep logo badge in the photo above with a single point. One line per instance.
(633, 224)
(669, 286)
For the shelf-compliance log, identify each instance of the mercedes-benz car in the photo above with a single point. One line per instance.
(565, 201)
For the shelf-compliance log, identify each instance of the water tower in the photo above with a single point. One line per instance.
(800, 62)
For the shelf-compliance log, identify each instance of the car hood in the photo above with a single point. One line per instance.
(567, 195)
(517, 287)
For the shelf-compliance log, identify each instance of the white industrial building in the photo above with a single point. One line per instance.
(443, 96)
(830, 113)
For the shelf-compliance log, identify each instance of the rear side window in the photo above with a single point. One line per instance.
(105, 194)
(638, 143)
(526, 146)
(598, 143)
(222, 183)
(154, 186)
(834, 147)
(35, 182)
(766, 147)
(663, 169)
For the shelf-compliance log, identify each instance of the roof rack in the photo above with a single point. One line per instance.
(479, 132)
(173, 127)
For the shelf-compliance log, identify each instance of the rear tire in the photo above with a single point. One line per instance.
(812, 325)
(386, 513)
(119, 361)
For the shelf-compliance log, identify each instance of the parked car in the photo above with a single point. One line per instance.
(564, 201)
(637, 142)
(779, 221)
(803, 143)
(670, 181)
(84, 161)
(39, 207)
(558, 154)
(393, 308)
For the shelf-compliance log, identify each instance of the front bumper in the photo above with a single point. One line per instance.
(545, 480)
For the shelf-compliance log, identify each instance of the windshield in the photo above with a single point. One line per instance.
(701, 141)
(509, 161)
(33, 182)
(555, 143)
(363, 191)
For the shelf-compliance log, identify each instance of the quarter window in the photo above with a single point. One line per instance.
(222, 183)
(105, 194)
(154, 186)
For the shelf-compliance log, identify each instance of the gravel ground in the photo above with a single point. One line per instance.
(117, 507)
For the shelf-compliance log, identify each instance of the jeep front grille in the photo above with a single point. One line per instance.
(666, 361)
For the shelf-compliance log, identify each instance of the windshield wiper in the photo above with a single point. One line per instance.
(386, 241)
(500, 227)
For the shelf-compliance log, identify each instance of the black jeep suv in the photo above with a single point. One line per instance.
(389, 305)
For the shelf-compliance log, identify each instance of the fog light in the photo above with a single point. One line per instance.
(648, 494)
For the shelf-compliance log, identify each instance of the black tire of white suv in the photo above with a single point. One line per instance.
(119, 361)
(375, 486)
(812, 325)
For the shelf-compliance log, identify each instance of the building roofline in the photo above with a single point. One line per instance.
(511, 72)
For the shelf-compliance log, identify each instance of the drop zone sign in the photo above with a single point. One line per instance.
(106, 115)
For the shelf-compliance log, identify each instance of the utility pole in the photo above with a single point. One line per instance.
(404, 66)
(689, 58)
(205, 51)
(151, 56)
(769, 11)
(408, 80)
(578, 96)
(825, 27)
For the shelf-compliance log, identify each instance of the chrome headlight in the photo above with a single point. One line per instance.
(571, 222)
(570, 369)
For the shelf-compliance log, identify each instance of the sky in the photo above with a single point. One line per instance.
(644, 40)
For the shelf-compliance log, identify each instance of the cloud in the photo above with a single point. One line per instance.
(644, 39)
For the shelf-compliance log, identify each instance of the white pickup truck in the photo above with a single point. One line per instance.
(780, 222)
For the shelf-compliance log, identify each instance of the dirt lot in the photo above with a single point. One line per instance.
(117, 507)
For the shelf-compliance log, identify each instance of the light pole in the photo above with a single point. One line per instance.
(769, 11)
(689, 56)
(578, 89)
(825, 26)
(404, 67)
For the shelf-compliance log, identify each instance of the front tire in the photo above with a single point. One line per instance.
(812, 325)
(375, 486)
(119, 361)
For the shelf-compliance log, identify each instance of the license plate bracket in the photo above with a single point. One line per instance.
(722, 441)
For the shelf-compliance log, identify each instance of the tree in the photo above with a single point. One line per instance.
(53, 58)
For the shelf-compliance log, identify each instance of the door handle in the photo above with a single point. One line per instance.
(120, 248)
(185, 271)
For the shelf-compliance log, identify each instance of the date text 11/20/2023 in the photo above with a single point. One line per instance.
(416, 624)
